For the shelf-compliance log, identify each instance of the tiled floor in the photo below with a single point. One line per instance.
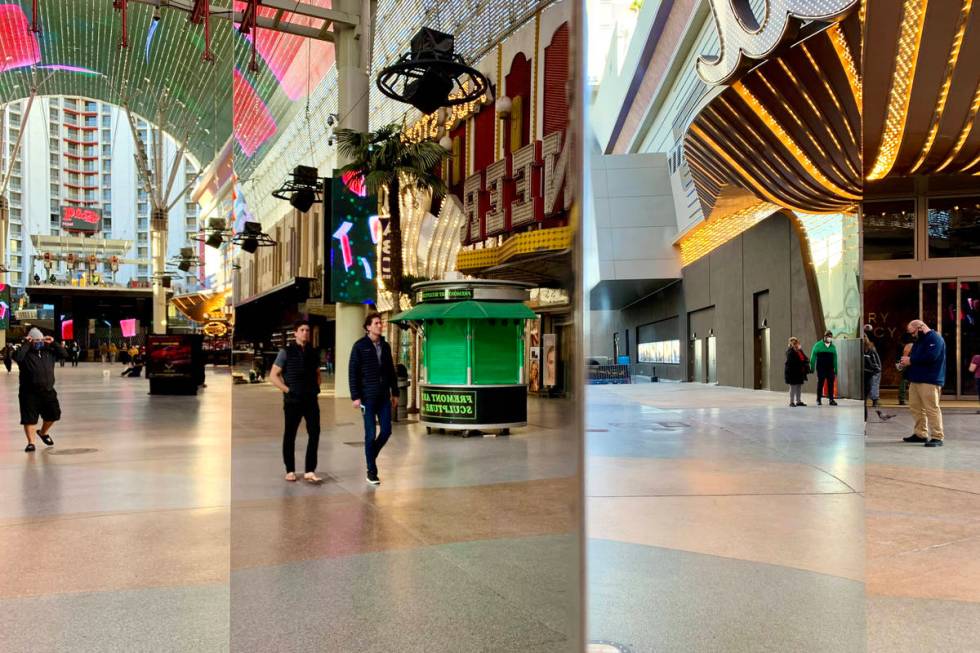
(469, 544)
(721, 519)
(923, 521)
(124, 546)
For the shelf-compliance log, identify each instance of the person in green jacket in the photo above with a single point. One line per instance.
(823, 361)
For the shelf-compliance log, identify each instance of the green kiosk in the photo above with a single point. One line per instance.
(473, 376)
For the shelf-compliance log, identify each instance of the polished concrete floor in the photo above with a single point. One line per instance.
(923, 525)
(469, 544)
(116, 538)
(721, 519)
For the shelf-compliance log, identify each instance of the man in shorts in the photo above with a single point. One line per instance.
(38, 400)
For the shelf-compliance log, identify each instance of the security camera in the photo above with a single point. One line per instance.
(331, 142)
(332, 120)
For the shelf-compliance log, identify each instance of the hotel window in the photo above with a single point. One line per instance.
(55, 114)
(106, 121)
(889, 230)
(55, 206)
(954, 227)
(106, 150)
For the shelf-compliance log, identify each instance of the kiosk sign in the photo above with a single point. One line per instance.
(81, 219)
(452, 404)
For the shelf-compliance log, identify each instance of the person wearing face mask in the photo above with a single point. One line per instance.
(38, 399)
(823, 361)
(926, 365)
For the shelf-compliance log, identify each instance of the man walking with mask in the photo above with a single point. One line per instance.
(823, 358)
(926, 365)
(374, 390)
(38, 399)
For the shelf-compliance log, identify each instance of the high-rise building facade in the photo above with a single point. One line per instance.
(80, 152)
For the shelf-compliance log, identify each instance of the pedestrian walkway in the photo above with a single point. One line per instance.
(116, 538)
(923, 525)
(469, 544)
(721, 519)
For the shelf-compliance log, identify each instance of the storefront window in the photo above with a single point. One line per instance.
(889, 230)
(954, 227)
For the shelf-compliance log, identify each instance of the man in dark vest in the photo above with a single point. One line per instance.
(374, 390)
(296, 373)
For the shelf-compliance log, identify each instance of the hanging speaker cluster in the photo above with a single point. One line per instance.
(432, 75)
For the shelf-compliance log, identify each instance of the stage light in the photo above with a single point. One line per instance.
(214, 240)
(250, 245)
(184, 265)
(253, 228)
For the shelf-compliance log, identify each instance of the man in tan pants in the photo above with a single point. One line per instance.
(926, 365)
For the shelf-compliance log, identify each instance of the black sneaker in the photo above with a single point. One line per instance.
(918, 439)
(792, 405)
(819, 403)
(46, 439)
(934, 443)
(372, 478)
(833, 403)
(29, 448)
(800, 403)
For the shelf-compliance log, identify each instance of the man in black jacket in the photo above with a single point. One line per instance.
(36, 359)
(296, 373)
(374, 390)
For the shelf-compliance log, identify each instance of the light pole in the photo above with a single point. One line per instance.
(354, 47)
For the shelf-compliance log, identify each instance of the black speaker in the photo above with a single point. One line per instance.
(303, 199)
(253, 228)
(433, 44)
(305, 175)
(184, 265)
(250, 245)
(430, 91)
(165, 282)
(214, 240)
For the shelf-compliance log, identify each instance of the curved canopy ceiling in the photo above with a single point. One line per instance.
(77, 53)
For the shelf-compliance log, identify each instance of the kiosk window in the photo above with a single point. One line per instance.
(496, 352)
(446, 352)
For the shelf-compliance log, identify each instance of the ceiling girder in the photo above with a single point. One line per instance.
(277, 23)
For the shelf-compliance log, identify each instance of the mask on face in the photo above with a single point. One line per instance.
(827, 340)
(38, 344)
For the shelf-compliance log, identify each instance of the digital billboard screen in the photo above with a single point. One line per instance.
(81, 219)
(354, 234)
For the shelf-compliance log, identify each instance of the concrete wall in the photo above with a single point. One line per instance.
(634, 220)
(718, 293)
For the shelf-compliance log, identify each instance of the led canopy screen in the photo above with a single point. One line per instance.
(5, 302)
(353, 244)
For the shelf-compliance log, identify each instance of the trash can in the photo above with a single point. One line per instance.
(403, 383)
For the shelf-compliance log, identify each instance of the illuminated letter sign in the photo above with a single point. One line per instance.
(742, 39)
(77, 218)
(471, 207)
(498, 174)
(556, 152)
(527, 204)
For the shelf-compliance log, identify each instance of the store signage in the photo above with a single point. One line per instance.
(5, 301)
(384, 259)
(80, 219)
(523, 188)
(454, 404)
(444, 294)
(216, 329)
(744, 41)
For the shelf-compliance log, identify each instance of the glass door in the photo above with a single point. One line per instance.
(969, 304)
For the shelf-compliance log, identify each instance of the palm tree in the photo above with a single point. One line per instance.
(385, 161)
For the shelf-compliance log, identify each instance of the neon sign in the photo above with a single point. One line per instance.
(523, 188)
(743, 40)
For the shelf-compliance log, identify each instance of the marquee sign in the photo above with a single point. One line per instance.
(524, 187)
(81, 219)
(215, 329)
(743, 40)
